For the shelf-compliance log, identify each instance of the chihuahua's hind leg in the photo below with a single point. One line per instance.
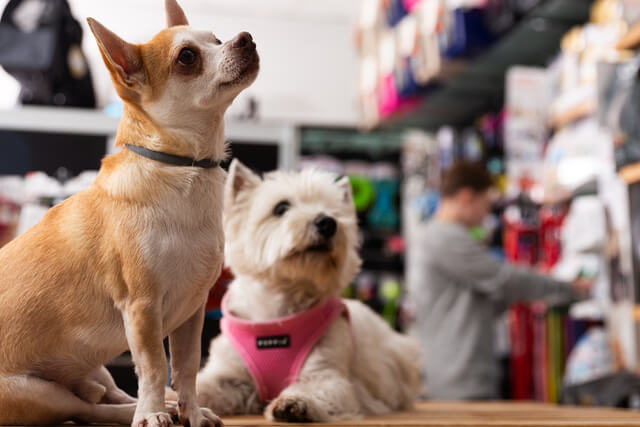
(113, 394)
(99, 387)
(29, 400)
(89, 390)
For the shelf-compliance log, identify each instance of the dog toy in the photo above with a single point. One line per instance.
(363, 192)
(384, 213)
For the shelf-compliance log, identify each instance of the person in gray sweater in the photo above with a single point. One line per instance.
(457, 289)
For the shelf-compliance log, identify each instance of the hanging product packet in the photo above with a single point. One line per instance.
(618, 106)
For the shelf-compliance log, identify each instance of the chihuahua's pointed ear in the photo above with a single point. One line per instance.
(175, 14)
(121, 58)
(239, 180)
(344, 185)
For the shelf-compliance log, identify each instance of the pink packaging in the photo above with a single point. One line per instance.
(409, 5)
(389, 100)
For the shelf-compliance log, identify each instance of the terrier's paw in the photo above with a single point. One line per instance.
(289, 409)
(155, 419)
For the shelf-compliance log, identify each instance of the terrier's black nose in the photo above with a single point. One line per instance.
(326, 226)
(243, 41)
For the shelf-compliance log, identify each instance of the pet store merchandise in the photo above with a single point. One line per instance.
(564, 209)
(363, 213)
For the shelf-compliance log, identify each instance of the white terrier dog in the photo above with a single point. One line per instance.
(289, 343)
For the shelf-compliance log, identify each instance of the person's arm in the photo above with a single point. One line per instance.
(468, 263)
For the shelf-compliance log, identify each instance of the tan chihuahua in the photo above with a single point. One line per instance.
(130, 260)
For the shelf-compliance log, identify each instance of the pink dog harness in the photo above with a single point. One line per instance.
(275, 351)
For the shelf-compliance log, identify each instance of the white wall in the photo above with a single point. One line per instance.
(309, 64)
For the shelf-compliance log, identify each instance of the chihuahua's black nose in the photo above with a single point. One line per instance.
(243, 41)
(326, 226)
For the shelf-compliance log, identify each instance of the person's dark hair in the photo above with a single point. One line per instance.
(465, 174)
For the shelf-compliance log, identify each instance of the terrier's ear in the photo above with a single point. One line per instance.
(122, 59)
(175, 14)
(344, 185)
(240, 179)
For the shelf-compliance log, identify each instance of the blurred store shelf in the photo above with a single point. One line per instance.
(479, 86)
(77, 121)
(331, 140)
(95, 122)
(58, 120)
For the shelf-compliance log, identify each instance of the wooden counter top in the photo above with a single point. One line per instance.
(478, 414)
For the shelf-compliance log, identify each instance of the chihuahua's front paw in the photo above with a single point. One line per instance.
(290, 409)
(155, 419)
(198, 417)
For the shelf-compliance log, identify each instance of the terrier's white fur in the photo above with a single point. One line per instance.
(361, 366)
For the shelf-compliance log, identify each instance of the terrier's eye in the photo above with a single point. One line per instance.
(281, 208)
(187, 56)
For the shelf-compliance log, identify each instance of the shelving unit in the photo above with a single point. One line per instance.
(58, 120)
(94, 122)
(458, 98)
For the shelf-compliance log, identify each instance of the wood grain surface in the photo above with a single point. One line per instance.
(480, 414)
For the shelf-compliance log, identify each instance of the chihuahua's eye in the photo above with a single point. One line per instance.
(187, 57)
(218, 41)
(281, 208)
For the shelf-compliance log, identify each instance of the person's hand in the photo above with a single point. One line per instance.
(582, 285)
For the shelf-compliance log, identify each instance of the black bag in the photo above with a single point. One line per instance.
(41, 49)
